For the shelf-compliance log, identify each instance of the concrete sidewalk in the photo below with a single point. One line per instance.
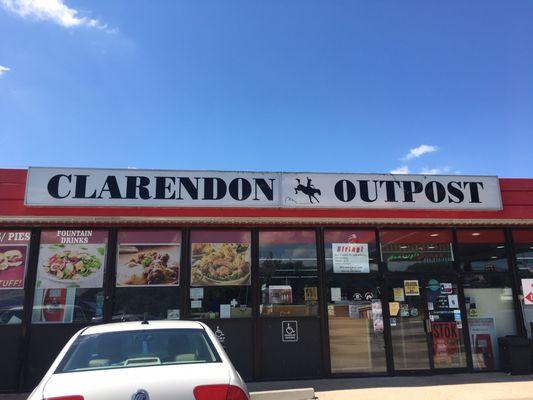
(479, 386)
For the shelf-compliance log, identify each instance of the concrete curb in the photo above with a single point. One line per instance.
(289, 394)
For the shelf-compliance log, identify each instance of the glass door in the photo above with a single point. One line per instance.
(408, 325)
(445, 323)
(426, 324)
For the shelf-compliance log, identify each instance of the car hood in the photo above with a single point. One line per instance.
(164, 382)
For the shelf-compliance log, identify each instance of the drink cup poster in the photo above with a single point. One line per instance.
(13, 258)
(54, 306)
(71, 259)
(350, 258)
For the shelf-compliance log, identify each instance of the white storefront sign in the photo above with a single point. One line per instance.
(153, 188)
(350, 258)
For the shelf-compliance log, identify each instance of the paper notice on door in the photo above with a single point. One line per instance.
(335, 294)
(394, 307)
(411, 287)
(398, 294)
(431, 307)
(453, 301)
(196, 304)
(225, 311)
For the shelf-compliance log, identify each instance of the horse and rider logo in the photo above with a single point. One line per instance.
(308, 190)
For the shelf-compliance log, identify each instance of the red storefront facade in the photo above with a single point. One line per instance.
(309, 291)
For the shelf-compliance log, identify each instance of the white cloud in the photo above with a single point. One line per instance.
(419, 151)
(3, 70)
(51, 10)
(435, 171)
(404, 169)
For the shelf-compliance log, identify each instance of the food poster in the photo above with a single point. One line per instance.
(221, 258)
(350, 258)
(411, 288)
(13, 258)
(483, 342)
(54, 306)
(398, 294)
(280, 294)
(71, 259)
(148, 258)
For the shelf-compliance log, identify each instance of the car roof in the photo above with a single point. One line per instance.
(138, 325)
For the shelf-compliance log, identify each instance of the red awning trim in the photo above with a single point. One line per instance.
(230, 221)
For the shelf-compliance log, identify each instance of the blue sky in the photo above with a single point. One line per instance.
(301, 85)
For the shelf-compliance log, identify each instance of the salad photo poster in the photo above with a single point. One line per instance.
(71, 259)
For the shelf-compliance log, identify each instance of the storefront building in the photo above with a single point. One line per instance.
(301, 275)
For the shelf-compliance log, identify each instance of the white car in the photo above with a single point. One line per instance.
(154, 360)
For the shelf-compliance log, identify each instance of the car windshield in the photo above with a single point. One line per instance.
(138, 348)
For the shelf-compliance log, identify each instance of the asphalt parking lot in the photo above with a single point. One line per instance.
(477, 386)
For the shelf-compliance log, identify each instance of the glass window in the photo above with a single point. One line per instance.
(414, 251)
(350, 251)
(489, 304)
(147, 275)
(355, 325)
(220, 274)
(70, 276)
(14, 247)
(482, 250)
(111, 350)
(523, 244)
(288, 273)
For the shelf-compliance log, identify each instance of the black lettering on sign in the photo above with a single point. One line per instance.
(474, 192)
(136, 186)
(162, 188)
(190, 188)
(435, 192)
(81, 188)
(409, 189)
(267, 190)
(53, 186)
(111, 186)
(345, 190)
(212, 192)
(240, 189)
(364, 190)
(390, 187)
(454, 189)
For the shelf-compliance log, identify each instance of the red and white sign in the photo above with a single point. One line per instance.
(349, 258)
(527, 289)
(13, 258)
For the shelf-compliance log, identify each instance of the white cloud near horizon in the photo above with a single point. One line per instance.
(51, 10)
(419, 151)
(403, 170)
(435, 171)
(3, 70)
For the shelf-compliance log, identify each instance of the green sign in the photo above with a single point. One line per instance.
(433, 285)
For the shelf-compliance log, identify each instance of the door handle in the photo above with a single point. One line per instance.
(428, 325)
